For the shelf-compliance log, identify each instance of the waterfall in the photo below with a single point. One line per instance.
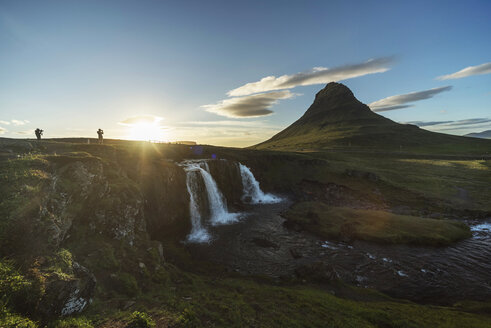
(198, 233)
(219, 213)
(218, 205)
(252, 192)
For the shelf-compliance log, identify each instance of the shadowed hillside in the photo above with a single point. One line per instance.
(336, 119)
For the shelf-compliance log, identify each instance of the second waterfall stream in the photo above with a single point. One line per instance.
(217, 213)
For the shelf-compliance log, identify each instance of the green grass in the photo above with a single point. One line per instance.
(73, 322)
(376, 226)
(13, 320)
(140, 320)
(201, 301)
(432, 178)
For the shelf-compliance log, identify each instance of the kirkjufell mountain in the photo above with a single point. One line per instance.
(336, 119)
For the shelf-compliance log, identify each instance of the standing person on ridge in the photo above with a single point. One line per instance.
(100, 132)
(38, 133)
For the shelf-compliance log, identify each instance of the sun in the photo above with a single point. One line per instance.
(146, 128)
(147, 131)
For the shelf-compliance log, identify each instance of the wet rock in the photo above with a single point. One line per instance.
(292, 225)
(295, 253)
(317, 272)
(228, 179)
(261, 242)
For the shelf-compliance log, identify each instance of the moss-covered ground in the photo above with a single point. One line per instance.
(373, 225)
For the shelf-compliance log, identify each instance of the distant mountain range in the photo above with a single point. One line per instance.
(336, 119)
(483, 135)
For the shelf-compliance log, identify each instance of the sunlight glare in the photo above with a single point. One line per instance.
(147, 131)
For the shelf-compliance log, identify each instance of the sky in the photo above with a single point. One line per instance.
(234, 73)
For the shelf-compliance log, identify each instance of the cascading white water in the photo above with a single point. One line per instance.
(252, 192)
(198, 233)
(219, 213)
(218, 205)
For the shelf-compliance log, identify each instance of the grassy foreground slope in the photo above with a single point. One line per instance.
(336, 119)
(174, 290)
(188, 300)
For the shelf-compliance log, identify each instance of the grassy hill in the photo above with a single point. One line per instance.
(336, 119)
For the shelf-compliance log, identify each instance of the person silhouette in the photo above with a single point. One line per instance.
(38, 133)
(100, 132)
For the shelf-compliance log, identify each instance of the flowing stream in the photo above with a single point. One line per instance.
(259, 244)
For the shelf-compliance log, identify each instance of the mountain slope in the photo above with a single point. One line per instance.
(484, 134)
(336, 119)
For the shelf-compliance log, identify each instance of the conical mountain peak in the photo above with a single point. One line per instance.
(334, 90)
(336, 119)
(335, 102)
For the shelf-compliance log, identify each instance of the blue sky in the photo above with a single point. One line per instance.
(71, 67)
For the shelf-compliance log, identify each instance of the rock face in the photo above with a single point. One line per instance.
(227, 176)
(83, 216)
(166, 200)
(82, 190)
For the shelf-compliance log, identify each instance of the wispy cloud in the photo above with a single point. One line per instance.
(248, 106)
(317, 75)
(24, 132)
(403, 101)
(453, 125)
(2, 130)
(141, 119)
(469, 121)
(19, 122)
(14, 122)
(468, 71)
(227, 123)
(430, 123)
